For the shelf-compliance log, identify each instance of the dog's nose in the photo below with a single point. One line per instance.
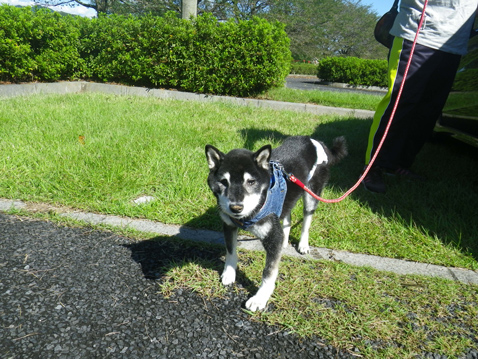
(236, 207)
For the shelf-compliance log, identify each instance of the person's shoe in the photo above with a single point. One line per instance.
(407, 174)
(374, 182)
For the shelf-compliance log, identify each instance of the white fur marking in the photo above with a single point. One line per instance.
(211, 156)
(247, 176)
(259, 301)
(321, 157)
(251, 201)
(304, 237)
(226, 219)
(224, 204)
(229, 274)
(262, 159)
(227, 177)
(286, 226)
(260, 230)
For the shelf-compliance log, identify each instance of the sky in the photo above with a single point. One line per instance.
(379, 6)
(77, 10)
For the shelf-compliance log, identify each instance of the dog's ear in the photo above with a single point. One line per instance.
(262, 156)
(214, 157)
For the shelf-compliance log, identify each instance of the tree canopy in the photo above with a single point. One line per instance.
(319, 28)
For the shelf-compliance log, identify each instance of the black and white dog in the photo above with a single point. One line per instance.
(253, 194)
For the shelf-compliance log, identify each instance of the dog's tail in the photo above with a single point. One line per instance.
(338, 150)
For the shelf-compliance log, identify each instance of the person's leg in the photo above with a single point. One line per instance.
(405, 118)
(414, 88)
(440, 81)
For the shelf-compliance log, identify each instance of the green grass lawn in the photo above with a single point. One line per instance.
(132, 146)
(458, 103)
(140, 146)
(325, 98)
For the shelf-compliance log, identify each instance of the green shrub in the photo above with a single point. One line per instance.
(16, 64)
(303, 68)
(111, 47)
(201, 55)
(353, 71)
(241, 58)
(37, 45)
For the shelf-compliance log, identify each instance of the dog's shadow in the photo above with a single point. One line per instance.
(159, 255)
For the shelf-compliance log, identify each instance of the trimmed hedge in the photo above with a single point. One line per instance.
(353, 71)
(303, 68)
(37, 45)
(201, 55)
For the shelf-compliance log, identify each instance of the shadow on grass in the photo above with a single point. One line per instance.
(445, 206)
(208, 220)
(159, 255)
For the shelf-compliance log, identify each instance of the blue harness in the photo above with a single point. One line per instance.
(274, 201)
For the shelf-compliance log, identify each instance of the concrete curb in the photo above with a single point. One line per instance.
(383, 264)
(120, 90)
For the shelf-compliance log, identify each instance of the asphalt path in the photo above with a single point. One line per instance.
(83, 293)
(299, 82)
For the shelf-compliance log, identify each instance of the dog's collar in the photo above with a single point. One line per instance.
(274, 200)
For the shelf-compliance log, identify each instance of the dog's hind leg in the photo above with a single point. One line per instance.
(229, 274)
(286, 226)
(310, 205)
(291, 199)
(272, 243)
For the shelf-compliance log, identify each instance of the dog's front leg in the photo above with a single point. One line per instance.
(230, 236)
(272, 243)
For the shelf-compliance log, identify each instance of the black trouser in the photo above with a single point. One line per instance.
(426, 89)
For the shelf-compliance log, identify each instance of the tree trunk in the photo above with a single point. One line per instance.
(188, 9)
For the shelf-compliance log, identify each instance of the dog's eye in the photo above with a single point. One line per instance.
(251, 182)
(224, 182)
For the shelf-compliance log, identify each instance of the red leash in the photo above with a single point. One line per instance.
(295, 180)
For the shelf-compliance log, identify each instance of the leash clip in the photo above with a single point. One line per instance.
(288, 176)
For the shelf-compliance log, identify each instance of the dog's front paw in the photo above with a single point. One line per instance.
(228, 276)
(256, 303)
(303, 249)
